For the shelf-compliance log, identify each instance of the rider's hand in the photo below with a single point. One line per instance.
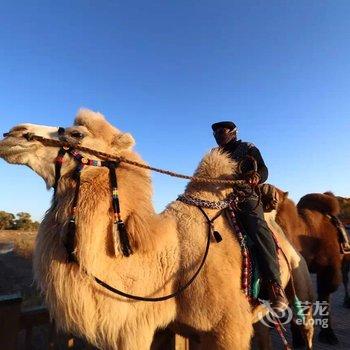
(253, 178)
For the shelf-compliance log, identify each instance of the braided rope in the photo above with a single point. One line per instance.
(187, 199)
(56, 143)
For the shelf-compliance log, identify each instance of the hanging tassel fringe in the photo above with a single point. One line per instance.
(217, 236)
(125, 247)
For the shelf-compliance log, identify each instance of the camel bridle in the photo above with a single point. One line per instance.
(81, 163)
(126, 249)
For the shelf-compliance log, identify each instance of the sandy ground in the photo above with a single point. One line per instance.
(16, 265)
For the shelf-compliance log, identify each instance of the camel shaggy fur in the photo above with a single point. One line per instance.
(167, 248)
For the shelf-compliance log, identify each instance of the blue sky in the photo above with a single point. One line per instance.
(166, 70)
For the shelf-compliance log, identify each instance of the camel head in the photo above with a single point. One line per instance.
(15, 148)
(282, 196)
(283, 202)
(90, 129)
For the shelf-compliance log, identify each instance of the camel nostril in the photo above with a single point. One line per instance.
(5, 134)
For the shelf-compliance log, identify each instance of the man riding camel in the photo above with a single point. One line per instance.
(252, 169)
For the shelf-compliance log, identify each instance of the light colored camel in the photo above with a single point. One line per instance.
(167, 248)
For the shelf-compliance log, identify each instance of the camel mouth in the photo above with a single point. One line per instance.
(15, 142)
(11, 146)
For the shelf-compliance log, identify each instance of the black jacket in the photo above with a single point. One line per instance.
(241, 152)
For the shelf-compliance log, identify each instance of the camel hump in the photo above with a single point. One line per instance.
(323, 203)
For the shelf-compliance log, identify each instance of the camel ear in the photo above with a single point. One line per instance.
(285, 194)
(123, 141)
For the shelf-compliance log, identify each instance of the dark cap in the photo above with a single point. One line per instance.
(227, 124)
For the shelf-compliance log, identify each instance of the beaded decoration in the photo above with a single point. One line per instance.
(119, 225)
(247, 265)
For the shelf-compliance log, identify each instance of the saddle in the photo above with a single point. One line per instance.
(254, 284)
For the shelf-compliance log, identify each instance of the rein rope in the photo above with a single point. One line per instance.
(57, 143)
(166, 297)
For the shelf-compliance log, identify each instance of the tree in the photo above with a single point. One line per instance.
(24, 222)
(7, 221)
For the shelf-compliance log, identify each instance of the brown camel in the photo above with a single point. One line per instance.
(167, 248)
(314, 235)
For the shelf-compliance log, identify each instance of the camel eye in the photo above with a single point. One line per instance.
(77, 134)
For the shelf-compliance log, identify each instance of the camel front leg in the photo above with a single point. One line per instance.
(303, 331)
(164, 339)
(328, 280)
(234, 332)
(136, 339)
(301, 285)
(231, 333)
(326, 334)
(213, 341)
